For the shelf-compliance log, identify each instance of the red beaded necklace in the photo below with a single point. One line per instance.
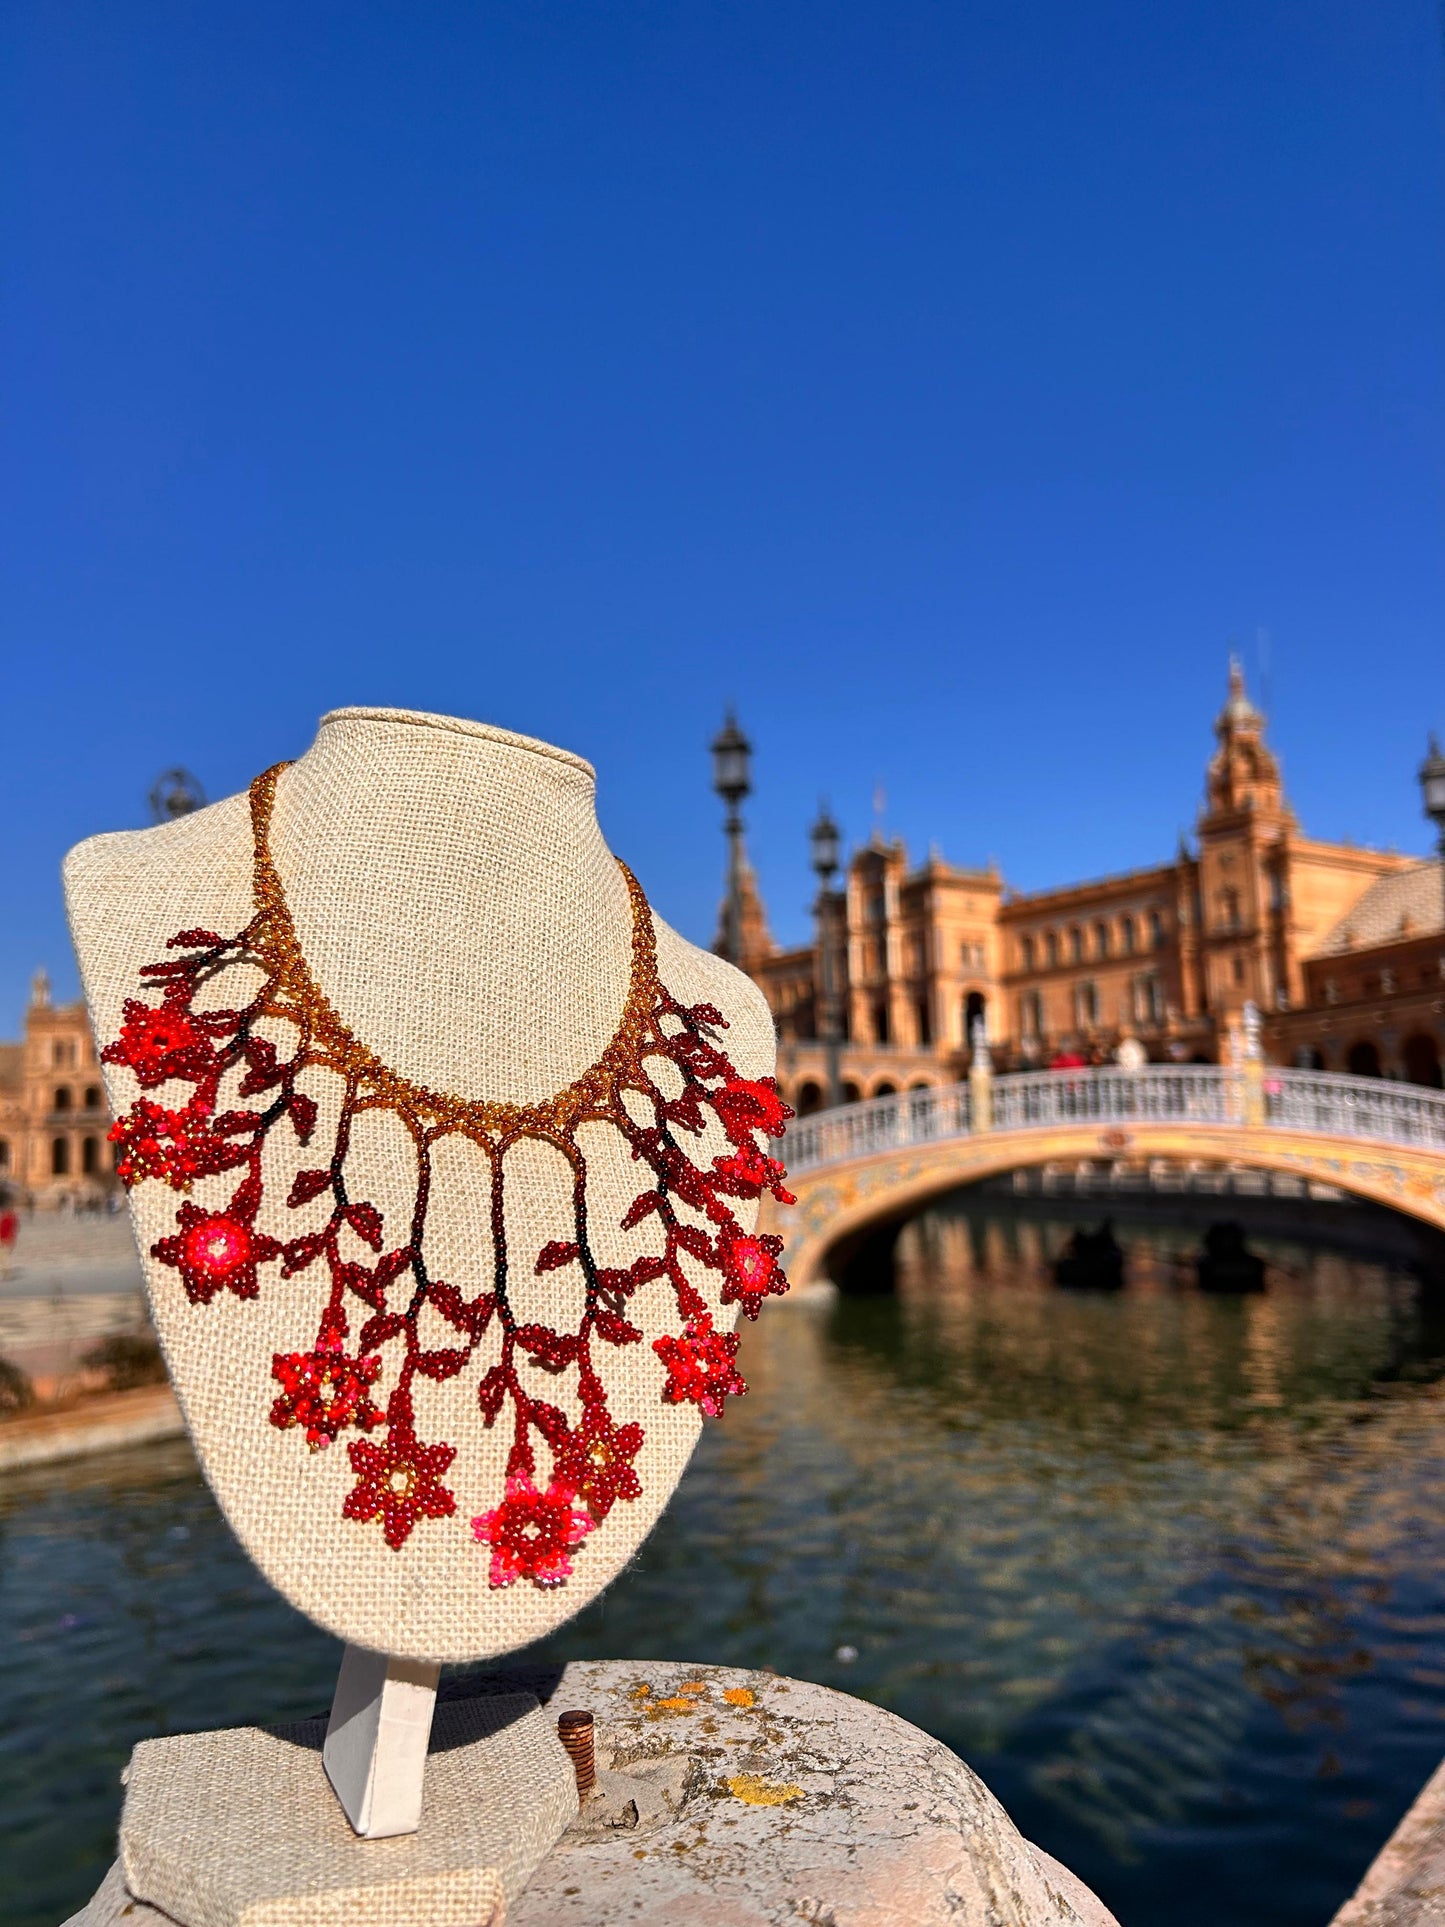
(335, 1387)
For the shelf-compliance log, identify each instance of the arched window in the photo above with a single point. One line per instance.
(1026, 952)
(90, 1156)
(60, 1157)
(94, 1097)
(1101, 939)
(808, 1099)
(1051, 948)
(924, 1019)
(885, 1089)
(1148, 999)
(1156, 931)
(1128, 935)
(62, 1098)
(1363, 1059)
(1031, 1016)
(851, 1092)
(4, 1154)
(1076, 944)
(1422, 1060)
(880, 1021)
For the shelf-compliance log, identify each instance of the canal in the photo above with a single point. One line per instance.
(1165, 1568)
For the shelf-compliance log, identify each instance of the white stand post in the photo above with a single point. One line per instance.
(376, 1742)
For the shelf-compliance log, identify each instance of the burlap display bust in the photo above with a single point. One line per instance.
(457, 909)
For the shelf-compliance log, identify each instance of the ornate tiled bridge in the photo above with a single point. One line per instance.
(866, 1165)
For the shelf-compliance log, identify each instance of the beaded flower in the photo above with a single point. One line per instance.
(531, 1533)
(369, 1325)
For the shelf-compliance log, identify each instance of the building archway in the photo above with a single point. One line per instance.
(885, 1089)
(808, 1098)
(975, 1010)
(1309, 1057)
(1363, 1059)
(90, 1156)
(1422, 1060)
(60, 1157)
(851, 1092)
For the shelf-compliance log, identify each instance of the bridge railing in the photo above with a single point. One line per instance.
(1200, 1093)
(880, 1124)
(1364, 1107)
(1309, 1101)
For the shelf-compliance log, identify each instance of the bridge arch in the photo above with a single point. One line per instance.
(1385, 1144)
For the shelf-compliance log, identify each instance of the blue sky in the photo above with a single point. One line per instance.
(947, 385)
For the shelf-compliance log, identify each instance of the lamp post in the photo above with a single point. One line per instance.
(1432, 790)
(823, 841)
(732, 755)
(175, 793)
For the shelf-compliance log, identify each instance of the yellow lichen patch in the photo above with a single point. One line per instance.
(642, 1691)
(739, 1696)
(755, 1791)
(674, 1705)
(692, 1687)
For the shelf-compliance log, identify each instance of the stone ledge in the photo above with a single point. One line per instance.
(101, 1424)
(1405, 1886)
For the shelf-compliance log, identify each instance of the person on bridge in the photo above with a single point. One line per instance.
(1129, 1053)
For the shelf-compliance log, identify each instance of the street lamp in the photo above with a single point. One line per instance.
(175, 793)
(823, 842)
(1432, 789)
(823, 846)
(732, 755)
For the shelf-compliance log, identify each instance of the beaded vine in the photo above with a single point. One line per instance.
(333, 1387)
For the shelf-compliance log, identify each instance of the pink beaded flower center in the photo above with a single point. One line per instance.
(217, 1246)
(369, 1325)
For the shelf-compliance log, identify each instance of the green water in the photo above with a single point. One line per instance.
(1164, 1569)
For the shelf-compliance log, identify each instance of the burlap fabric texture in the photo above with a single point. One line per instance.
(456, 902)
(240, 1829)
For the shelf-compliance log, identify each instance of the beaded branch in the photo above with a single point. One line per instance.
(333, 1387)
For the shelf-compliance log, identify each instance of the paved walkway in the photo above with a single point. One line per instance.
(57, 1250)
(69, 1281)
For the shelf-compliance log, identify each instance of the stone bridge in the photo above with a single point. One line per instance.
(864, 1166)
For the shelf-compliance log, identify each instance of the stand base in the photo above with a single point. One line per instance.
(242, 1829)
(739, 1799)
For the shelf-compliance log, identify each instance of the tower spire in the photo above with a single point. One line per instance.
(1243, 772)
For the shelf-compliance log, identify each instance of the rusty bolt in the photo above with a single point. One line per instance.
(575, 1731)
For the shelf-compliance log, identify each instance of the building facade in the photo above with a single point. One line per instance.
(53, 1111)
(924, 963)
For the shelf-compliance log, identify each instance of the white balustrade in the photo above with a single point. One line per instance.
(1308, 1101)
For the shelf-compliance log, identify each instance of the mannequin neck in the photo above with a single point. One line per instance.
(450, 884)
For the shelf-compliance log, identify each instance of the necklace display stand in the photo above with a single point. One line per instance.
(468, 1146)
(377, 1740)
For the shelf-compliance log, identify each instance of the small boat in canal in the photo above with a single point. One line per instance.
(1226, 1263)
(1091, 1261)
